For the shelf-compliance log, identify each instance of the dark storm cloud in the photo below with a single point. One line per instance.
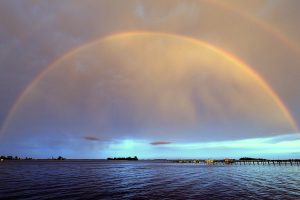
(96, 138)
(160, 143)
(91, 138)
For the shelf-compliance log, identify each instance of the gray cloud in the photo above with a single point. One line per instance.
(91, 138)
(160, 143)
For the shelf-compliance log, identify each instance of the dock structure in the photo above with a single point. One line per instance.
(227, 161)
(269, 162)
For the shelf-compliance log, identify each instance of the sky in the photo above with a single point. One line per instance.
(168, 79)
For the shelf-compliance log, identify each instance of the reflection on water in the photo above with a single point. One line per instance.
(145, 180)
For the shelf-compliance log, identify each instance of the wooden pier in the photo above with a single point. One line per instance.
(291, 162)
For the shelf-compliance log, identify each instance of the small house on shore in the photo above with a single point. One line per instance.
(229, 161)
(210, 161)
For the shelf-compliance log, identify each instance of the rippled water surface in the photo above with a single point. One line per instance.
(145, 180)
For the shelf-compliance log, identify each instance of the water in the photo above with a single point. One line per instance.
(145, 180)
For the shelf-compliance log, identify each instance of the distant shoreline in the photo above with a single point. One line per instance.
(225, 160)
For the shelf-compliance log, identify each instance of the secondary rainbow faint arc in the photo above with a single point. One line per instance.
(218, 50)
(263, 25)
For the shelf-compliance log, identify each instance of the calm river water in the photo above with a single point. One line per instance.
(145, 180)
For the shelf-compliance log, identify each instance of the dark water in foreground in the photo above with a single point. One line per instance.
(145, 180)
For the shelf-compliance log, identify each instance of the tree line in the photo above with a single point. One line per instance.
(123, 158)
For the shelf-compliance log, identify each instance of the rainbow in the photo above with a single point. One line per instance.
(229, 57)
